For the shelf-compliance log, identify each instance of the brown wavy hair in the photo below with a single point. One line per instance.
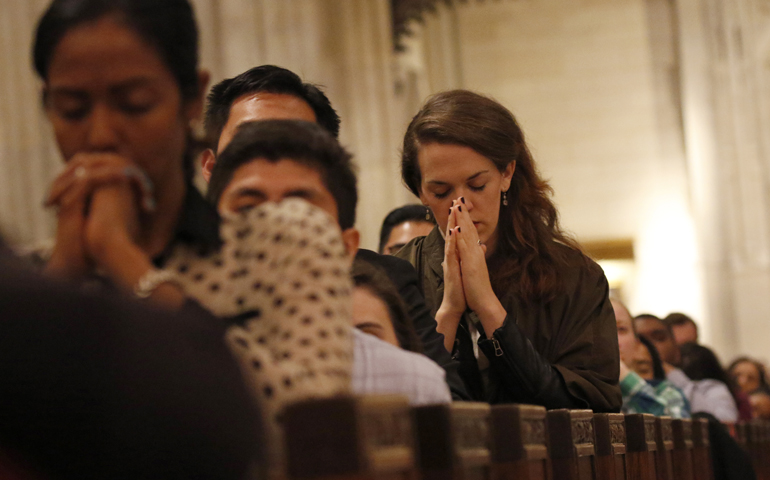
(532, 244)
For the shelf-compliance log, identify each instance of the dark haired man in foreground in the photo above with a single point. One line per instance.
(276, 160)
(270, 92)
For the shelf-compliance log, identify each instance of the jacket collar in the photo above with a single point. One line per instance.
(433, 246)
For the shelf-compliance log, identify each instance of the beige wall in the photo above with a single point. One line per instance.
(591, 85)
(651, 118)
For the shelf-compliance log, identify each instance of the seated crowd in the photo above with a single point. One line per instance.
(257, 294)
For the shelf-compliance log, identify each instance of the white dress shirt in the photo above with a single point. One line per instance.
(379, 367)
(710, 396)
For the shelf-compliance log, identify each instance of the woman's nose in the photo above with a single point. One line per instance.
(466, 201)
(102, 132)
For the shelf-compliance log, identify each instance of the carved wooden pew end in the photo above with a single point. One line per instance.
(610, 432)
(519, 448)
(641, 446)
(453, 441)
(350, 437)
(683, 448)
(571, 442)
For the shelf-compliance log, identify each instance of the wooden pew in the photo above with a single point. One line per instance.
(741, 435)
(610, 446)
(683, 447)
(664, 442)
(701, 453)
(362, 438)
(640, 446)
(519, 449)
(453, 441)
(571, 444)
(756, 445)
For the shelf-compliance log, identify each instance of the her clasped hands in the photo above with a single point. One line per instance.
(466, 277)
(100, 200)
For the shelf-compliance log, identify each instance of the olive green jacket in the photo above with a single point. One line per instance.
(560, 354)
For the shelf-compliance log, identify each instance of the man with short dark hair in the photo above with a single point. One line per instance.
(275, 160)
(402, 225)
(684, 328)
(262, 93)
(653, 328)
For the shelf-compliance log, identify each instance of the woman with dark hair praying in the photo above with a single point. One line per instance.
(520, 306)
(121, 86)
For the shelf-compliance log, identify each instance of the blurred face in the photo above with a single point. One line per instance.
(658, 334)
(684, 333)
(452, 171)
(626, 338)
(642, 362)
(109, 92)
(263, 106)
(370, 315)
(746, 375)
(403, 233)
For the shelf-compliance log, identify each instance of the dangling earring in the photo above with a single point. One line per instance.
(427, 213)
(505, 198)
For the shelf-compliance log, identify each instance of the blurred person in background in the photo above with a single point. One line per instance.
(749, 375)
(403, 224)
(684, 328)
(378, 309)
(637, 367)
(701, 365)
(704, 395)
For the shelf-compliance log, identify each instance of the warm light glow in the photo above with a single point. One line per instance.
(667, 277)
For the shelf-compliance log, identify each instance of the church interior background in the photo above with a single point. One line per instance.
(650, 118)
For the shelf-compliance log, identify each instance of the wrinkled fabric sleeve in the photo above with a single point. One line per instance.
(582, 369)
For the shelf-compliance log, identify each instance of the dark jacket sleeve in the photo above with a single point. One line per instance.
(577, 366)
(404, 277)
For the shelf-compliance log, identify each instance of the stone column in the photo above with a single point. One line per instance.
(723, 45)
(344, 46)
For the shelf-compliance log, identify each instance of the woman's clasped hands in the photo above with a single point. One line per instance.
(99, 199)
(466, 277)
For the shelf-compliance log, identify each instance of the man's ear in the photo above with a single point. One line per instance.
(208, 160)
(351, 238)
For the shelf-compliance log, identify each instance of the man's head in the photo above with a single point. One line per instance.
(627, 339)
(683, 327)
(262, 93)
(404, 224)
(653, 328)
(271, 160)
